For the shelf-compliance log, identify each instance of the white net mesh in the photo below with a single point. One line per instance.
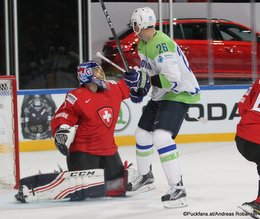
(7, 145)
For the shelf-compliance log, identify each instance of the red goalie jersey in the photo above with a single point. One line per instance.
(249, 109)
(96, 116)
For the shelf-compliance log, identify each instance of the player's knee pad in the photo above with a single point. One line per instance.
(143, 137)
(162, 138)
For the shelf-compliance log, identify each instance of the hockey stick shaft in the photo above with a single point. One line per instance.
(98, 54)
(110, 24)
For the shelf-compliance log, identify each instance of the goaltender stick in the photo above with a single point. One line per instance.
(83, 129)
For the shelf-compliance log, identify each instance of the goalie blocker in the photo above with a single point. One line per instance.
(72, 185)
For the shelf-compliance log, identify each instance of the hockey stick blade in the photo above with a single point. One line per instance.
(247, 211)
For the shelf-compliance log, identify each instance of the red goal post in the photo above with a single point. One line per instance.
(9, 142)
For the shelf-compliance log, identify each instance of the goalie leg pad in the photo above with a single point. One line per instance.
(74, 185)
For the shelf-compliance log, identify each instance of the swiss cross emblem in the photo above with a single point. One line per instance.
(106, 115)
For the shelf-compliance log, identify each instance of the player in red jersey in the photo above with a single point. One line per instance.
(90, 113)
(248, 136)
(83, 129)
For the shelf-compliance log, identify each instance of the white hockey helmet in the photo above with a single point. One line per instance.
(142, 18)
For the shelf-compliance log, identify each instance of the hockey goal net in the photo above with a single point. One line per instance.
(9, 150)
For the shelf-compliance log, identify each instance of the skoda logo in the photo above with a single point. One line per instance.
(123, 117)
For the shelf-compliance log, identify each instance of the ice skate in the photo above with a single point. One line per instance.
(141, 183)
(175, 197)
(251, 208)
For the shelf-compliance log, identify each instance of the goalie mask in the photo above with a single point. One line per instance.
(142, 18)
(91, 72)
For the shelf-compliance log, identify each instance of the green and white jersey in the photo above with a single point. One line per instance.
(163, 57)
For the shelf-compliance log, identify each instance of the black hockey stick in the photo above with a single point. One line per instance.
(251, 214)
(141, 91)
(110, 24)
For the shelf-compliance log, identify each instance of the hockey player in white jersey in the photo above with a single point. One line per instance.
(174, 89)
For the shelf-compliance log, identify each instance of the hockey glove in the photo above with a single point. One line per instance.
(144, 85)
(63, 138)
(135, 97)
(138, 81)
(132, 78)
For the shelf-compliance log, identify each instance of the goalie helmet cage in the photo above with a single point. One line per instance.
(9, 144)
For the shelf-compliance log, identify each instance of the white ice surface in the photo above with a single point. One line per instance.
(216, 176)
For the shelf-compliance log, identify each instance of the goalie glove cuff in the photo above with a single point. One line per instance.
(63, 138)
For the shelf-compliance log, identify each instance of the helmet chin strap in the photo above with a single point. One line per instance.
(147, 39)
(138, 34)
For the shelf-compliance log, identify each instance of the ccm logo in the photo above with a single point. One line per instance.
(82, 173)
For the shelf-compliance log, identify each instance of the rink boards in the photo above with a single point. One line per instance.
(218, 105)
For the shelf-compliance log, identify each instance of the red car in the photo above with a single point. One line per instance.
(231, 47)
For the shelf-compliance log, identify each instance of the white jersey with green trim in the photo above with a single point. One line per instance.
(162, 56)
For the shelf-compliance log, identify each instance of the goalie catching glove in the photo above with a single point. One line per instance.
(63, 138)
